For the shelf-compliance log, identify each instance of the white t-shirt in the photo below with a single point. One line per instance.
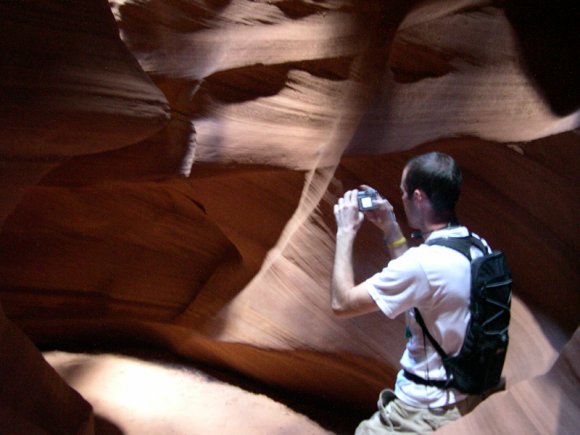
(436, 280)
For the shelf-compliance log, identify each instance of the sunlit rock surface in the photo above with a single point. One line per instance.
(174, 399)
(185, 164)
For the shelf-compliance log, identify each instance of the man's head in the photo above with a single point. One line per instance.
(437, 177)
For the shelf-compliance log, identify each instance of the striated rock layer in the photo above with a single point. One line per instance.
(185, 164)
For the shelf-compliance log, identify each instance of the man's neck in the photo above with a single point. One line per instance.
(426, 230)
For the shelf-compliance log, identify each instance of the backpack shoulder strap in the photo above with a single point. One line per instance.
(436, 345)
(460, 244)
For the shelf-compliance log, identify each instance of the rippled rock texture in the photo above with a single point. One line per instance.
(169, 168)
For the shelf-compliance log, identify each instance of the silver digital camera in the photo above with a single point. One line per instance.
(366, 199)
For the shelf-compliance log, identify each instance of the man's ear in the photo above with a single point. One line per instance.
(419, 195)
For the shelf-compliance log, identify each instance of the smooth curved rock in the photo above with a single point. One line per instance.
(69, 87)
(68, 84)
(214, 236)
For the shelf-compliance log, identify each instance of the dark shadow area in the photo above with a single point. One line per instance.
(547, 32)
(105, 427)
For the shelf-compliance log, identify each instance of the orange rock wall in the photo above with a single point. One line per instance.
(170, 180)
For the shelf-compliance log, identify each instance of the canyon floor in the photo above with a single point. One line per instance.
(136, 391)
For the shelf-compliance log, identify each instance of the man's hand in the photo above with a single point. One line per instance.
(348, 217)
(383, 216)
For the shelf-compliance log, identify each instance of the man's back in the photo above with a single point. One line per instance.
(436, 280)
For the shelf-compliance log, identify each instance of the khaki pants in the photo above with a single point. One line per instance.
(396, 417)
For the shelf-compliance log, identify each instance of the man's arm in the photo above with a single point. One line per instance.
(349, 299)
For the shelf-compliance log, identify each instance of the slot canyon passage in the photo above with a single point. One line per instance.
(168, 170)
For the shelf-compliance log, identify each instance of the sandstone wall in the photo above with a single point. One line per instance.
(170, 180)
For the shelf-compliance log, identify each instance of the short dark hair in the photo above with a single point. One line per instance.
(439, 176)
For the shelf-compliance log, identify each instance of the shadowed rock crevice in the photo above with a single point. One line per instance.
(296, 10)
(252, 82)
(411, 63)
(547, 32)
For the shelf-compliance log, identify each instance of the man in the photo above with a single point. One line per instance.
(434, 279)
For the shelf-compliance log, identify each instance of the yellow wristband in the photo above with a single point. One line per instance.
(397, 243)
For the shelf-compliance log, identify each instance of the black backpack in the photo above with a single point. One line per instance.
(478, 365)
